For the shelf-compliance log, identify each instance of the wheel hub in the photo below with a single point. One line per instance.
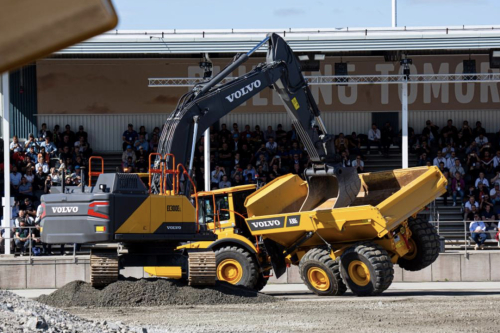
(230, 270)
(318, 278)
(412, 251)
(359, 273)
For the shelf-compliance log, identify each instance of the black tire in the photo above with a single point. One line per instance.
(262, 280)
(426, 239)
(374, 258)
(320, 258)
(245, 259)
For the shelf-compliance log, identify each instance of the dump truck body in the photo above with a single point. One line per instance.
(386, 200)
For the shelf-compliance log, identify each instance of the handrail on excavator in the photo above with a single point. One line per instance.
(95, 173)
(176, 190)
(163, 171)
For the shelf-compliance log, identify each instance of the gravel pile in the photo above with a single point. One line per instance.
(18, 314)
(150, 292)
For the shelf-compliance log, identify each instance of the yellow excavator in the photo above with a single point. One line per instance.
(341, 228)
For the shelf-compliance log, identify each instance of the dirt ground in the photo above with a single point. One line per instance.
(477, 313)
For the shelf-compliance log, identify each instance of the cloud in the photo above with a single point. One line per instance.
(285, 12)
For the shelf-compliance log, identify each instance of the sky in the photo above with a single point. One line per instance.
(277, 14)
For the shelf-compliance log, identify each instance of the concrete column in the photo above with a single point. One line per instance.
(207, 159)
(7, 210)
(404, 123)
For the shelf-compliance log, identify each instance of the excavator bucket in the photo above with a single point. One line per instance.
(335, 188)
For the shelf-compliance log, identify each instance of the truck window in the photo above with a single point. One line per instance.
(206, 208)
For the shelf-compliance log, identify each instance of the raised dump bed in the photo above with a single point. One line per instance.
(378, 221)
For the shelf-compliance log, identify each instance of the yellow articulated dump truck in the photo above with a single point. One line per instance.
(355, 247)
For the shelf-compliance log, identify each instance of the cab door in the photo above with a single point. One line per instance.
(215, 211)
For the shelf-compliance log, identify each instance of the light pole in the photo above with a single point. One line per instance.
(7, 209)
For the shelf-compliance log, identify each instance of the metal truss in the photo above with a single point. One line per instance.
(351, 79)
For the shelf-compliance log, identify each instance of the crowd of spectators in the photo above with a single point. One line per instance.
(240, 155)
(45, 159)
(469, 157)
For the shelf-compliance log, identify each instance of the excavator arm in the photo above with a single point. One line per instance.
(208, 102)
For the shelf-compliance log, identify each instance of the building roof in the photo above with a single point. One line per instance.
(300, 40)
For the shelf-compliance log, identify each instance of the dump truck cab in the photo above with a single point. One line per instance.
(239, 258)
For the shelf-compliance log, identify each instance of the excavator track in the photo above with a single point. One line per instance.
(104, 267)
(202, 268)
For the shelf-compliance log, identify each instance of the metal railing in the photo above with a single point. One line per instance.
(12, 237)
(467, 234)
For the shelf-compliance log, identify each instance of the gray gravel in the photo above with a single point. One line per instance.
(150, 292)
(321, 314)
(18, 314)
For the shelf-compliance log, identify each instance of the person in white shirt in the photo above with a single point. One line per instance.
(457, 167)
(469, 204)
(358, 164)
(495, 190)
(271, 145)
(481, 140)
(43, 164)
(24, 216)
(450, 162)
(482, 180)
(478, 234)
(216, 175)
(15, 145)
(496, 160)
(439, 158)
(374, 139)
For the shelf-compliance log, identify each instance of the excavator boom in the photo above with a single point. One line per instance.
(208, 102)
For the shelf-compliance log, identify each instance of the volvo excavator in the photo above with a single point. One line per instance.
(172, 230)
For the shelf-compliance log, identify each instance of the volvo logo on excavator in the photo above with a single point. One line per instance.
(61, 210)
(243, 91)
(277, 222)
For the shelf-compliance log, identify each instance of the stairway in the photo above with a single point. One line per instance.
(450, 223)
(377, 162)
(111, 162)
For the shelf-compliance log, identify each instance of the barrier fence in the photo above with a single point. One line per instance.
(9, 236)
(459, 229)
(449, 230)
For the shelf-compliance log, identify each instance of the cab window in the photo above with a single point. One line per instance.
(207, 209)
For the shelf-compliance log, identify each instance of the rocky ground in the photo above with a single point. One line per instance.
(412, 314)
(18, 314)
(161, 306)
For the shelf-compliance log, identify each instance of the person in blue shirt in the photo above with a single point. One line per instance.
(33, 154)
(31, 142)
(129, 137)
(295, 150)
(141, 142)
(50, 147)
(478, 232)
(249, 173)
